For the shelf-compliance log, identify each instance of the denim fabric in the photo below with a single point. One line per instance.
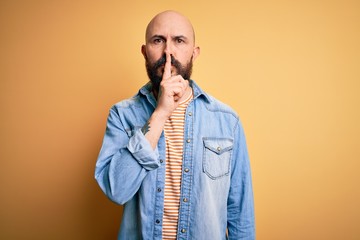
(216, 188)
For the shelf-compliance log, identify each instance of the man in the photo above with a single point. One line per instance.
(175, 157)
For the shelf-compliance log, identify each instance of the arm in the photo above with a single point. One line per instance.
(123, 162)
(241, 223)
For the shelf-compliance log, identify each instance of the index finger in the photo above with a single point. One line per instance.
(167, 67)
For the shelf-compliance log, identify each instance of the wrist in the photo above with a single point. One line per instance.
(161, 115)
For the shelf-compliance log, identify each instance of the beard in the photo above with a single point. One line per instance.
(155, 77)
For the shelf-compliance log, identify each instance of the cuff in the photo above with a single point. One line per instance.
(142, 151)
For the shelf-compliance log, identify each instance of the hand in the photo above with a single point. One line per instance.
(172, 89)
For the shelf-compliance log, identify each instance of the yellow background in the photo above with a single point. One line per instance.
(291, 69)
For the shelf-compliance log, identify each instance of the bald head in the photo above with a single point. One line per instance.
(170, 22)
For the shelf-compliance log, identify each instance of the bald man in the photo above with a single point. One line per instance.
(173, 155)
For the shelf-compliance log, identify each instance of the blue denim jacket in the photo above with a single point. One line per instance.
(216, 189)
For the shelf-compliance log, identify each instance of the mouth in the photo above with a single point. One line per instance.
(162, 68)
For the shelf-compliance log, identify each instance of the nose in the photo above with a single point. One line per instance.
(168, 48)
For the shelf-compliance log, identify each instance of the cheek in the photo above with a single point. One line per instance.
(187, 55)
(186, 58)
(153, 55)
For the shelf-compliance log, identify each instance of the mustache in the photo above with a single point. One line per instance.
(161, 62)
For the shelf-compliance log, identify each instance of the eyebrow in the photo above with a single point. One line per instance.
(157, 36)
(173, 37)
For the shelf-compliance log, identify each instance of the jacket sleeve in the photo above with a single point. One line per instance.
(241, 223)
(123, 161)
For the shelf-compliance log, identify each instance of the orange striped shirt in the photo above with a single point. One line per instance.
(174, 135)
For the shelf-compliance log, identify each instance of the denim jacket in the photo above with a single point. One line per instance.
(216, 187)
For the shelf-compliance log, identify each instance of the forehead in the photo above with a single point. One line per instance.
(172, 24)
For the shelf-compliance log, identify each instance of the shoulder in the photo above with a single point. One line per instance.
(134, 101)
(215, 105)
(211, 103)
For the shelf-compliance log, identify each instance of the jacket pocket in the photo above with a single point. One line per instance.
(216, 157)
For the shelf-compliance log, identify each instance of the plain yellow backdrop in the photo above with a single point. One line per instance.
(291, 69)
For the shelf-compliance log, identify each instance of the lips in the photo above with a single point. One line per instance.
(160, 69)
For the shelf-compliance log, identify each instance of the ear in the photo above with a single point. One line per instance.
(196, 52)
(143, 51)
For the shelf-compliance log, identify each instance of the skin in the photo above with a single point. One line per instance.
(172, 34)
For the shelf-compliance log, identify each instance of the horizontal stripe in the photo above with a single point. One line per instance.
(174, 138)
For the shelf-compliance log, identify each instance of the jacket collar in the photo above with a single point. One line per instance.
(198, 92)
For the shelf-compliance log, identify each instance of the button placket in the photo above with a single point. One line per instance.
(158, 211)
(187, 176)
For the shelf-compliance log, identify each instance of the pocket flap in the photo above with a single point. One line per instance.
(218, 145)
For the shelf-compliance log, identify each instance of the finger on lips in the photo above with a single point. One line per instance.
(175, 84)
(167, 67)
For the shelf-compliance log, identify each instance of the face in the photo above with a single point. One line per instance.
(169, 32)
(155, 70)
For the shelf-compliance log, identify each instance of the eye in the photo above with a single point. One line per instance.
(179, 40)
(158, 41)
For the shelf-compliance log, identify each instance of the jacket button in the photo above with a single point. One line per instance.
(188, 140)
(186, 170)
(183, 230)
(157, 221)
(190, 114)
(219, 149)
(185, 200)
(159, 189)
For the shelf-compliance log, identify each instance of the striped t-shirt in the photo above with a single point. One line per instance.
(174, 135)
